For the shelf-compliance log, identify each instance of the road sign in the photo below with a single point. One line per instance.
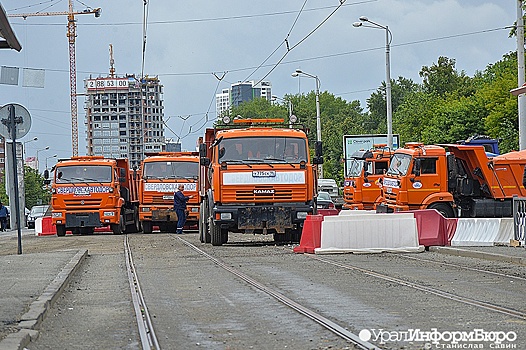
(22, 121)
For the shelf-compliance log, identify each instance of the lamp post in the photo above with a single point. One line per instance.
(38, 163)
(24, 144)
(297, 73)
(53, 156)
(291, 106)
(388, 39)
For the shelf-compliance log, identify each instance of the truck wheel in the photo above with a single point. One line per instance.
(118, 228)
(444, 209)
(61, 230)
(215, 234)
(147, 227)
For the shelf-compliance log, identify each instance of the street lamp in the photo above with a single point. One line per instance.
(388, 39)
(53, 156)
(297, 73)
(43, 149)
(24, 144)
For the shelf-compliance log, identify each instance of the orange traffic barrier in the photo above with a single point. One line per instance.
(311, 235)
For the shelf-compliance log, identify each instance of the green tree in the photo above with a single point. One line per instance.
(442, 77)
(35, 191)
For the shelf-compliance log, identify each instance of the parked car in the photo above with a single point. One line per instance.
(329, 186)
(324, 201)
(38, 211)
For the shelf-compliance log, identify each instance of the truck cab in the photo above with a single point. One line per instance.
(256, 179)
(362, 188)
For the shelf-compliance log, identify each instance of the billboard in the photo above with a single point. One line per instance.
(353, 143)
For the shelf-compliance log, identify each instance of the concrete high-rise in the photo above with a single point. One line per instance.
(241, 92)
(124, 117)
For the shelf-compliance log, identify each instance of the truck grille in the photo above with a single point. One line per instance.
(84, 203)
(157, 199)
(263, 194)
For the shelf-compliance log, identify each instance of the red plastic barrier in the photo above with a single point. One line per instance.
(311, 235)
(47, 227)
(326, 212)
(433, 228)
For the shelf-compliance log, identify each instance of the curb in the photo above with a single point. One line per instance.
(38, 309)
(479, 255)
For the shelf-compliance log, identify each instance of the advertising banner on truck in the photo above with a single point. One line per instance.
(353, 143)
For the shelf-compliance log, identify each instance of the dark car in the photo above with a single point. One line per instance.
(324, 201)
(38, 211)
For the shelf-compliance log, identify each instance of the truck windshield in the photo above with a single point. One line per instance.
(83, 173)
(355, 168)
(170, 170)
(266, 149)
(399, 164)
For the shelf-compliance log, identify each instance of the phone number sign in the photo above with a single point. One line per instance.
(101, 84)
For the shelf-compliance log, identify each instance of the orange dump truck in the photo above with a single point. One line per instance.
(362, 187)
(160, 175)
(93, 191)
(257, 178)
(456, 180)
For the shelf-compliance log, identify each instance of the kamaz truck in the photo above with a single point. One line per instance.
(256, 177)
(92, 191)
(362, 189)
(160, 175)
(456, 180)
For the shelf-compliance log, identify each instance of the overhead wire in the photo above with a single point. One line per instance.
(301, 41)
(283, 42)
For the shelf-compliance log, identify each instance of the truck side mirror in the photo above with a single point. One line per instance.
(318, 149)
(318, 153)
(204, 161)
(202, 150)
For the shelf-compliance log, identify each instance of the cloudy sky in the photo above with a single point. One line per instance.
(190, 44)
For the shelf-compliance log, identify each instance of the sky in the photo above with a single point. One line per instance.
(198, 47)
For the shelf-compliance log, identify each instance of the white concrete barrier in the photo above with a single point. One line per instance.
(366, 233)
(38, 226)
(483, 232)
(355, 212)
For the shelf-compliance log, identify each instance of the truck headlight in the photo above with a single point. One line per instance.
(226, 216)
(195, 209)
(109, 213)
(56, 215)
(145, 209)
(301, 215)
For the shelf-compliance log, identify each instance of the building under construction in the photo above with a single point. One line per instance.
(124, 117)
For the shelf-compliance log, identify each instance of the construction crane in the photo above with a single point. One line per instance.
(71, 34)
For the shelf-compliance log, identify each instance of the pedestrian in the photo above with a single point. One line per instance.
(3, 217)
(180, 207)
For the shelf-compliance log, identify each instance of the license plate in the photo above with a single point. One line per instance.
(263, 173)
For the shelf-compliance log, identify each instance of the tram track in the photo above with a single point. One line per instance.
(443, 263)
(314, 316)
(426, 289)
(146, 331)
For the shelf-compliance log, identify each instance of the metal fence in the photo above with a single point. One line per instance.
(519, 219)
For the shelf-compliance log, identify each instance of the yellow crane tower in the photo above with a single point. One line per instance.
(71, 34)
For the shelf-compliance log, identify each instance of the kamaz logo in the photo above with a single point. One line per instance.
(264, 191)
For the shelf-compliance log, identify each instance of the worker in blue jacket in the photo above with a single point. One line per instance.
(180, 207)
(3, 217)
